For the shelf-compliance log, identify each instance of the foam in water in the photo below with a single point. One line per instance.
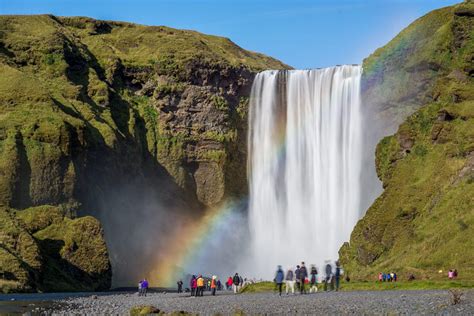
(305, 159)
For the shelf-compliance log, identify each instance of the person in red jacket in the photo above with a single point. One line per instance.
(229, 283)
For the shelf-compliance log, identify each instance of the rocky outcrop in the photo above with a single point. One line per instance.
(128, 123)
(45, 249)
(420, 224)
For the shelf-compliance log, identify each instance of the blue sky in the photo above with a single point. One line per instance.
(303, 34)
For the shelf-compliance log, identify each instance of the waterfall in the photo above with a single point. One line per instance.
(305, 161)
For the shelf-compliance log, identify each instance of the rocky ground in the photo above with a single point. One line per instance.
(426, 302)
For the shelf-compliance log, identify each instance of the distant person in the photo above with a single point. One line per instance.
(328, 277)
(411, 277)
(455, 273)
(279, 277)
(337, 274)
(290, 281)
(140, 288)
(213, 285)
(180, 286)
(219, 285)
(394, 277)
(450, 274)
(236, 283)
(144, 287)
(314, 280)
(200, 286)
(303, 276)
(384, 277)
(297, 276)
(241, 282)
(380, 276)
(193, 284)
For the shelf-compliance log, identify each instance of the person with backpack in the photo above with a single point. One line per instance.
(229, 283)
(236, 283)
(314, 280)
(290, 281)
(303, 275)
(279, 278)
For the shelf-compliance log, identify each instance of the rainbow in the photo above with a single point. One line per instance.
(189, 242)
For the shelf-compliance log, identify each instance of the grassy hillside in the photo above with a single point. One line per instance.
(115, 120)
(423, 221)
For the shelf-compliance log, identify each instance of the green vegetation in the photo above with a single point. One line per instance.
(421, 222)
(261, 287)
(151, 310)
(42, 249)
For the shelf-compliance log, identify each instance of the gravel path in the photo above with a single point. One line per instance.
(358, 302)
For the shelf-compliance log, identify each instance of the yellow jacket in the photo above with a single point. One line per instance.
(200, 282)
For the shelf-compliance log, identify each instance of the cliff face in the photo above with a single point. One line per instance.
(422, 222)
(119, 121)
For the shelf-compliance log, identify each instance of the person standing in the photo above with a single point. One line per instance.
(213, 285)
(193, 285)
(290, 281)
(180, 286)
(328, 276)
(200, 286)
(297, 276)
(236, 283)
(140, 288)
(337, 274)
(279, 277)
(303, 276)
(314, 280)
(144, 287)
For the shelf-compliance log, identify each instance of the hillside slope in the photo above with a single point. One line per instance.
(423, 221)
(119, 121)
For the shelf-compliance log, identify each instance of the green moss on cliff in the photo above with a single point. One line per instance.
(41, 249)
(420, 224)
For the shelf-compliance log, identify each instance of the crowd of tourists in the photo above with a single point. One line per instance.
(301, 279)
(199, 284)
(387, 277)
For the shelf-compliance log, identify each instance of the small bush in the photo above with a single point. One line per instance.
(456, 295)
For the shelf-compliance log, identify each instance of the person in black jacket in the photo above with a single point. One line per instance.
(328, 276)
(337, 274)
(303, 274)
(236, 283)
(297, 277)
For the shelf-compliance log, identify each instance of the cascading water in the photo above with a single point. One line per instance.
(305, 158)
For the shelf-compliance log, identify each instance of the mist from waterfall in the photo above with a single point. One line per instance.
(305, 161)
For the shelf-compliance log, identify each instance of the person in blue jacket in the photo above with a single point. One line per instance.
(279, 277)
